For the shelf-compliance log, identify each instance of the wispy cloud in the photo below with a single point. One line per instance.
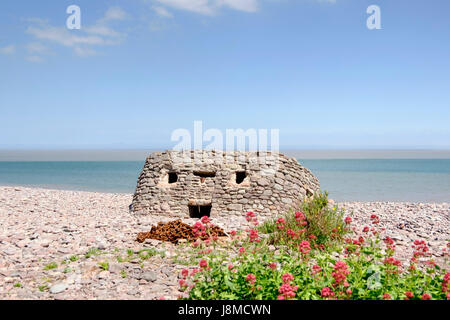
(211, 7)
(162, 12)
(81, 41)
(37, 48)
(34, 59)
(8, 50)
(114, 13)
(85, 52)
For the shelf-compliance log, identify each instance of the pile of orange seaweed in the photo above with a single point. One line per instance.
(173, 231)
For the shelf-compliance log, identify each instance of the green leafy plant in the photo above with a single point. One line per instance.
(50, 266)
(104, 265)
(325, 261)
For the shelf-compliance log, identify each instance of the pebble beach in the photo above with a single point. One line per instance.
(57, 244)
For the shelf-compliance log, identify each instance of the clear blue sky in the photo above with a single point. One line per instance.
(138, 69)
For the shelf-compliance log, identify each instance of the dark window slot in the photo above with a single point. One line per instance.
(240, 176)
(173, 177)
(199, 211)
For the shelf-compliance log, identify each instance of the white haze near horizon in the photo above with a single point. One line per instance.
(141, 154)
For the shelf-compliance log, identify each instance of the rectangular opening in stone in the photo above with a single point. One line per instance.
(205, 174)
(173, 177)
(196, 211)
(240, 176)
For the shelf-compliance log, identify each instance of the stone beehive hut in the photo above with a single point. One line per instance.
(214, 183)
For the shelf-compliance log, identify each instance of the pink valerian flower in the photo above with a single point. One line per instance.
(327, 293)
(426, 296)
(386, 296)
(316, 269)
(205, 220)
(241, 250)
(448, 296)
(183, 284)
(366, 229)
(300, 216)
(162, 298)
(446, 283)
(409, 295)
(392, 261)
(292, 234)
(421, 249)
(340, 273)
(287, 291)
(233, 233)
(430, 263)
(249, 215)
(312, 237)
(251, 278)
(197, 243)
(199, 229)
(348, 220)
(272, 265)
(203, 264)
(253, 235)
(194, 271)
(348, 291)
(280, 223)
(185, 273)
(304, 247)
(375, 219)
(287, 278)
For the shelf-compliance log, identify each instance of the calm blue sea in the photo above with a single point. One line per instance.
(416, 180)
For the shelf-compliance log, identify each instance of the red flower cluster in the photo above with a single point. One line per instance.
(251, 278)
(420, 249)
(194, 271)
(287, 278)
(272, 265)
(393, 262)
(316, 269)
(199, 229)
(286, 289)
(375, 219)
(348, 220)
(250, 217)
(292, 234)
(300, 218)
(280, 223)
(327, 293)
(426, 296)
(386, 296)
(205, 220)
(446, 284)
(409, 295)
(203, 264)
(183, 284)
(304, 247)
(340, 273)
(253, 235)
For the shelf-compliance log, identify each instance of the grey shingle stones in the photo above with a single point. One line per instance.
(204, 182)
